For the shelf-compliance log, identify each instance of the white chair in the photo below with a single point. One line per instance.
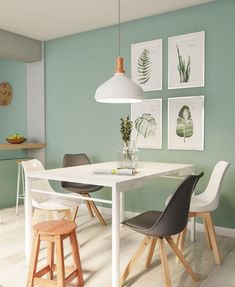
(46, 204)
(203, 204)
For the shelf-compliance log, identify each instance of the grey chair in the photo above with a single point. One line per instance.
(159, 226)
(83, 189)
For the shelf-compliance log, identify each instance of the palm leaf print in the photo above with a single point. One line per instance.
(146, 125)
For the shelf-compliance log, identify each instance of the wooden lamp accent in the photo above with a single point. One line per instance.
(119, 65)
(5, 94)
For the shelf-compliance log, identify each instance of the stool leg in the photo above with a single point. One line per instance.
(23, 184)
(50, 258)
(60, 261)
(18, 188)
(76, 258)
(33, 260)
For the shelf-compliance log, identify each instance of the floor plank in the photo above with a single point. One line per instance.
(95, 251)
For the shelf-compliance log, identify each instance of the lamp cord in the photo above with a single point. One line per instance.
(119, 32)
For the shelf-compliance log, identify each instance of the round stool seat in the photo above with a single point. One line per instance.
(55, 227)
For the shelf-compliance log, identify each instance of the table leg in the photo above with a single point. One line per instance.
(122, 206)
(115, 237)
(192, 229)
(28, 220)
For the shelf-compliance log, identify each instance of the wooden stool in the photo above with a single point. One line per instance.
(54, 232)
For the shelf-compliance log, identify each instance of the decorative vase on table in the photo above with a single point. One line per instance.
(126, 157)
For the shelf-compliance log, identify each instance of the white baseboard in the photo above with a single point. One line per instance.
(224, 231)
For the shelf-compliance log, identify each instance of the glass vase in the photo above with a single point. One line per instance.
(126, 157)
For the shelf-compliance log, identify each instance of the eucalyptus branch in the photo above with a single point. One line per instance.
(126, 128)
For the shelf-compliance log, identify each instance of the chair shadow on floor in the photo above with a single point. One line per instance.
(145, 270)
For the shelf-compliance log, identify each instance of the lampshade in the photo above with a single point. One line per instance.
(119, 89)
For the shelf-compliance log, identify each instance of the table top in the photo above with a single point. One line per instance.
(84, 174)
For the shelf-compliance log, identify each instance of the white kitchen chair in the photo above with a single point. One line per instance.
(46, 204)
(203, 204)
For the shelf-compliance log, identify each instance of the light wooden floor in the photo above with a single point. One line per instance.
(95, 248)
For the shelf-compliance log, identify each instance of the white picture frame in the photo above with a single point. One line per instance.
(147, 124)
(186, 123)
(146, 64)
(186, 61)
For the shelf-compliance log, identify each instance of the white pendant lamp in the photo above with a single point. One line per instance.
(119, 89)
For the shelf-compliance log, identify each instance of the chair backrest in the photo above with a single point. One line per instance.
(174, 218)
(40, 184)
(70, 160)
(212, 191)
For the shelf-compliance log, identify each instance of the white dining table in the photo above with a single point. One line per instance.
(118, 183)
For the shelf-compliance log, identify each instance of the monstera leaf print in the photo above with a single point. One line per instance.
(184, 126)
(144, 67)
(146, 125)
(183, 68)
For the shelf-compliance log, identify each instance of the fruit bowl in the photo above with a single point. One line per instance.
(16, 140)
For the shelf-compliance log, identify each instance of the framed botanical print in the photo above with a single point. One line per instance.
(147, 124)
(186, 123)
(186, 61)
(146, 64)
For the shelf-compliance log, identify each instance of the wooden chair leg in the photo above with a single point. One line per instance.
(68, 215)
(60, 261)
(181, 258)
(50, 258)
(76, 259)
(181, 239)
(149, 257)
(207, 234)
(213, 240)
(49, 214)
(88, 206)
(97, 213)
(134, 260)
(33, 261)
(75, 213)
(165, 267)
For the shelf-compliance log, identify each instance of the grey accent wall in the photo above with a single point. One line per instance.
(14, 46)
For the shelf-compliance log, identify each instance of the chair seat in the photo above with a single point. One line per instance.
(143, 221)
(200, 203)
(55, 203)
(83, 188)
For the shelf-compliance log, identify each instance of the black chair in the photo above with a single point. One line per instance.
(159, 226)
(83, 189)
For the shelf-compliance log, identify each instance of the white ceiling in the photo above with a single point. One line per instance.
(49, 19)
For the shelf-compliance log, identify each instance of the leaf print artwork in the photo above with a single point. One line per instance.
(184, 126)
(183, 68)
(145, 126)
(144, 67)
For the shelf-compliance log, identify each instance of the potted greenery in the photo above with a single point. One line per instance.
(125, 157)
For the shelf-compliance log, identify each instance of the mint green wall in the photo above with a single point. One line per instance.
(77, 65)
(13, 119)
